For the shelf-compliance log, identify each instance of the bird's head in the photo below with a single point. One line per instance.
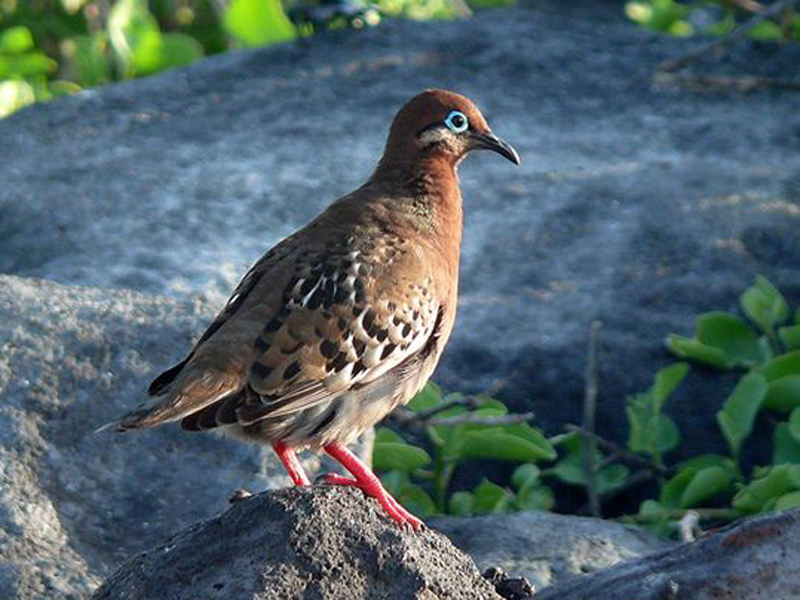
(440, 125)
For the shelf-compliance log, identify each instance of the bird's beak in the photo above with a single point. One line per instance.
(490, 141)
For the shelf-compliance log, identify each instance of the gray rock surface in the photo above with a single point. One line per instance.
(324, 543)
(73, 504)
(636, 204)
(753, 559)
(546, 548)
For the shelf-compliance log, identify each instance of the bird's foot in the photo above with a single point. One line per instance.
(291, 463)
(374, 489)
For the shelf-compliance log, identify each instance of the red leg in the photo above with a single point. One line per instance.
(369, 483)
(293, 466)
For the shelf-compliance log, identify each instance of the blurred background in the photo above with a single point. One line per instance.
(54, 47)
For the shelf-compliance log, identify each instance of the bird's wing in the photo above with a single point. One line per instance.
(263, 266)
(341, 327)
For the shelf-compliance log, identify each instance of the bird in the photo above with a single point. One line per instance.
(345, 319)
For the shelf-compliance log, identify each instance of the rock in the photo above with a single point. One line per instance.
(546, 548)
(322, 542)
(636, 204)
(749, 560)
(73, 504)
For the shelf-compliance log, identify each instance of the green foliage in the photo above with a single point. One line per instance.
(258, 22)
(764, 349)
(650, 430)
(54, 47)
(716, 486)
(739, 412)
(570, 467)
(719, 17)
(455, 440)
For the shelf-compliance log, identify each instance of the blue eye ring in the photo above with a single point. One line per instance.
(457, 121)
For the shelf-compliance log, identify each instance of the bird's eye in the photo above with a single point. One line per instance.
(456, 122)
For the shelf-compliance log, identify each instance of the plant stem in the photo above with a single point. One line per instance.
(589, 412)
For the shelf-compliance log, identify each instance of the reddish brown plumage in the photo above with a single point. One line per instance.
(345, 319)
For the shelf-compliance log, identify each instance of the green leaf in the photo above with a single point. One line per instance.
(702, 461)
(26, 66)
(787, 501)
(410, 495)
(534, 436)
(16, 40)
(790, 336)
(730, 334)
(389, 456)
(692, 349)
(384, 435)
(537, 497)
(570, 469)
(157, 52)
(764, 304)
(794, 424)
(258, 22)
(461, 504)
(498, 445)
(525, 475)
(705, 484)
(765, 30)
(611, 477)
(130, 25)
(740, 409)
(783, 393)
(89, 59)
(427, 397)
(650, 510)
(14, 95)
(490, 498)
(785, 449)
(779, 480)
(417, 500)
(672, 490)
(781, 366)
(667, 379)
(650, 433)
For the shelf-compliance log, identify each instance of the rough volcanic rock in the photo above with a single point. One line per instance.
(74, 504)
(753, 559)
(546, 548)
(324, 543)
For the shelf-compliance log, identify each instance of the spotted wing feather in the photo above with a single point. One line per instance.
(336, 333)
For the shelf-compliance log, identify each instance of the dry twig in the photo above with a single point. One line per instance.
(589, 412)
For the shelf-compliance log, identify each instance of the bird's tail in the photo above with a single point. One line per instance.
(138, 418)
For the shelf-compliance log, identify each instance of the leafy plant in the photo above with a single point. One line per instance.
(709, 17)
(54, 47)
(458, 434)
(762, 345)
(764, 348)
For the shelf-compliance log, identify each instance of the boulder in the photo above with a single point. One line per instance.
(74, 504)
(636, 204)
(752, 559)
(546, 548)
(321, 542)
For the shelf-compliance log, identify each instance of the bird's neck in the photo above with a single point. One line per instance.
(428, 186)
